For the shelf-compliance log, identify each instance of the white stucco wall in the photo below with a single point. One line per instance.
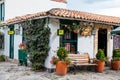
(15, 8)
(54, 41)
(6, 41)
(110, 46)
(17, 40)
(86, 45)
(111, 49)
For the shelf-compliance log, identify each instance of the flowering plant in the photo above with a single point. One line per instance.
(22, 46)
(62, 55)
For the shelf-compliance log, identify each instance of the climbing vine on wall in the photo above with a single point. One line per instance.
(36, 38)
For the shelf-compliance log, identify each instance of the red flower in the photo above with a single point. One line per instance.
(22, 46)
(51, 62)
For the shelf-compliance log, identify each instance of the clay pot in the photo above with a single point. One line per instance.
(100, 66)
(22, 46)
(61, 68)
(115, 65)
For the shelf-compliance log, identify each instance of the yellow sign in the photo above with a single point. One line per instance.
(60, 32)
(10, 32)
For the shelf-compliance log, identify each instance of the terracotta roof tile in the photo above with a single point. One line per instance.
(24, 17)
(65, 13)
(63, 1)
(85, 15)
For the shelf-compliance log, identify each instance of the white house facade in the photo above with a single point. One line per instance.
(96, 35)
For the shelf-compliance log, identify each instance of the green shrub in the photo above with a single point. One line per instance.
(116, 58)
(62, 53)
(36, 38)
(100, 55)
(55, 60)
(2, 58)
(116, 54)
(37, 66)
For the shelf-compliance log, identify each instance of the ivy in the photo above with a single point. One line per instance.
(36, 38)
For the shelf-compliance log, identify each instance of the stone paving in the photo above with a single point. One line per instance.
(11, 71)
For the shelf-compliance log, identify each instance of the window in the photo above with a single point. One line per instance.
(2, 11)
(1, 40)
(116, 42)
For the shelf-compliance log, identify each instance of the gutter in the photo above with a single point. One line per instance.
(22, 21)
(86, 20)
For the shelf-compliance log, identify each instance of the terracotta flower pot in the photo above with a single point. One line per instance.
(100, 66)
(61, 68)
(115, 65)
(22, 46)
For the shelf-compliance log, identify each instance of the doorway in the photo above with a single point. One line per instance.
(102, 40)
(69, 41)
(11, 48)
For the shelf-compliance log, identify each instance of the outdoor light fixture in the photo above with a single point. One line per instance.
(17, 29)
(91, 23)
(93, 32)
(112, 35)
(5, 27)
(93, 29)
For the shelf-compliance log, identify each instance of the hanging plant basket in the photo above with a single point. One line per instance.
(76, 31)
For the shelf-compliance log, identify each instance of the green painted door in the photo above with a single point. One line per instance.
(11, 50)
(69, 41)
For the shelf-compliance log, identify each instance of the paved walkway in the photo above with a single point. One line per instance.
(10, 71)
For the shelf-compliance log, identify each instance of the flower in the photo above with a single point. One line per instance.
(22, 46)
(54, 60)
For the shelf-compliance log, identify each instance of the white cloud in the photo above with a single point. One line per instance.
(93, 1)
(110, 12)
(107, 7)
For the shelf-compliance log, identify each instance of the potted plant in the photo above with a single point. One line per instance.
(115, 62)
(61, 61)
(2, 58)
(100, 56)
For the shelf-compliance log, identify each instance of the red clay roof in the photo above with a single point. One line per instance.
(63, 1)
(65, 13)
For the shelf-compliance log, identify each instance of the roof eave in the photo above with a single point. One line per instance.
(101, 22)
(23, 21)
(68, 18)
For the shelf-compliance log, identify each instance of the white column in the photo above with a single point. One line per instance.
(54, 24)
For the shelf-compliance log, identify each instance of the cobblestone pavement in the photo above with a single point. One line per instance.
(10, 71)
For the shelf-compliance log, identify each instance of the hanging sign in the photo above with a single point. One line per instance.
(10, 32)
(60, 32)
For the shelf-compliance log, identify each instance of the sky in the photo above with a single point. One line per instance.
(105, 7)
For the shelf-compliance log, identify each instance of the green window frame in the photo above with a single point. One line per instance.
(2, 11)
